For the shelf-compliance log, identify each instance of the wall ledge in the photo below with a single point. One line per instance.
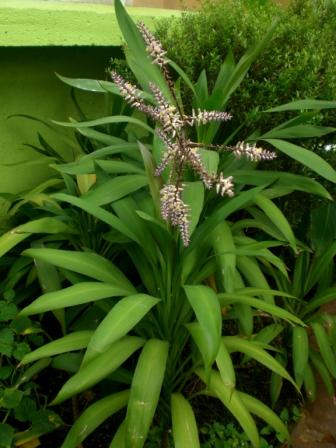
(41, 23)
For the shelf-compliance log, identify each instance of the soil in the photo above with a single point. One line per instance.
(317, 427)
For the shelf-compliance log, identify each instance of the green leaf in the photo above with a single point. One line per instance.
(300, 353)
(5, 372)
(201, 339)
(231, 400)
(325, 347)
(137, 56)
(274, 310)
(20, 350)
(235, 343)
(230, 77)
(106, 120)
(182, 75)
(115, 189)
(86, 263)
(326, 296)
(206, 307)
(89, 85)
(102, 366)
(25, 409)
(98, 212)
(322, 370)
(69, 362)
(68, 343)
(193, 197)
(6, 435)
(145, 392)
(298, 131)
(201, 234)
(224, 248)
(87, 166)
(277, 218)
(210, 160)
(118, 322)
(118, 440)
(293, 181)
(319, 266)
(264, 412)
(225, 366)
(304, 105)
(78, 294)
(8, 311)
(20, 233)
(94, 416)
(6, 341)
(10, 398)
(185, 431)
(310, 383)
(250, 269)
(277, 380)
(33, 371)
(307, 158)
(153, 181)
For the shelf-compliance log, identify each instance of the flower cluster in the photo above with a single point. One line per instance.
(252, 152)
(174, 210)
(180, 152)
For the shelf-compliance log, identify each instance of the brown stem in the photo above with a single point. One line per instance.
(165, 439)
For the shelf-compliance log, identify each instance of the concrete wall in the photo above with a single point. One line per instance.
(28, 85)
(37, 39)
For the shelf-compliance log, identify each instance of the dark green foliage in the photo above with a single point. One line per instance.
(22, 403)
(298, 63)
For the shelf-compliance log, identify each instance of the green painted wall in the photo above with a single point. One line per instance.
(37, 39)
(28, 85)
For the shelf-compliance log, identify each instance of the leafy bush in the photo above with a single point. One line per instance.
(299, 62)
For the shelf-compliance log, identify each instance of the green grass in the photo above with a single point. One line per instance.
(41, 23)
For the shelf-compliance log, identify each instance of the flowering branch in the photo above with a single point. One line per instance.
(180, 152)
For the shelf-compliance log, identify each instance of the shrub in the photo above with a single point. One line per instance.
(298, 63)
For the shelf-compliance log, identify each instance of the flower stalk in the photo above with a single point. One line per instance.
(180, 152)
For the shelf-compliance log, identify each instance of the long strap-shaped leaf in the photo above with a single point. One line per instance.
(106, 120)
(84, 292)
(86, 263)
(300, 353)
(205, 304)
(261, 410)
(118, 322)
(325, 347)
(232, 401)
(137, 56)
(277, 217)
(306, 157)
(237, 344)
(145, 392)
(184, 424)
(98, 212)
(201, 234)
(293, 181)
(94, 416)
(100, 368)
(69, 343)
(115, 188)
(44, 225)
(227, 299)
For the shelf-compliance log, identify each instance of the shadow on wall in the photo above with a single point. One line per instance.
(28, 85)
